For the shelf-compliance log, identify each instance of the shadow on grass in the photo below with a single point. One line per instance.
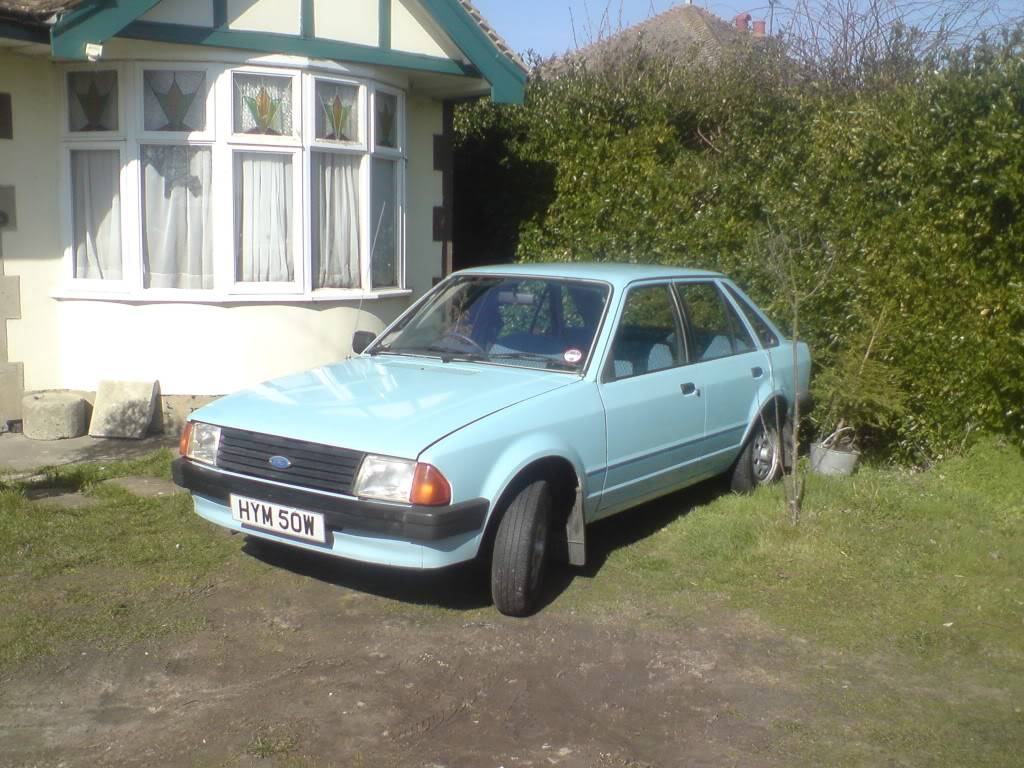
(627, 528)
(467, 586)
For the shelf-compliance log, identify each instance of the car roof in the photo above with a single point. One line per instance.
(611, 272)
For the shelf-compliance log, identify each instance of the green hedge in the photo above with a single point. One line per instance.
(907, 194)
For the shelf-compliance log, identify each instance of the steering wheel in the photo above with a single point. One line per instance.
(466, 340)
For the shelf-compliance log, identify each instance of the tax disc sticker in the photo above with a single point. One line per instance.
(573, 355)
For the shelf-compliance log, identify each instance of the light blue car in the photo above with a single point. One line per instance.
(502, 413)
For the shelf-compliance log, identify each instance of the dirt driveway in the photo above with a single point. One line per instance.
(328, 663)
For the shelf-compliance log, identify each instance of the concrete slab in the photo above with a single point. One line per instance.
(60, 497)
(124, 408)
(19, 454)
(149, 487)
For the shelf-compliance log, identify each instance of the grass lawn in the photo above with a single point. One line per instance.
(111, 574)
(909, 584)
(916, 575)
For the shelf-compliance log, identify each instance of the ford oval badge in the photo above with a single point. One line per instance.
(280, 462)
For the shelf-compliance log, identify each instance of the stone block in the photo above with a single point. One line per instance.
(124, 408)
(10, 297)
(53, 416)
(12, 390)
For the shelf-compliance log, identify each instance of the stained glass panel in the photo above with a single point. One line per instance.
(174, 100)
(92, 100)
(386, 120)
(337, 112)
(263, 105)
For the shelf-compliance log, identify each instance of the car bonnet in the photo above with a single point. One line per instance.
(395, 406)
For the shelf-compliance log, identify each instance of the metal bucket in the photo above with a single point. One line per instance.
(829, 461)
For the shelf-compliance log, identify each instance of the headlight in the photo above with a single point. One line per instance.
(389, 479)
(385, 478)
(201, 442)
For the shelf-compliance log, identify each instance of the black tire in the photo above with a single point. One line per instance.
(760, 461)
(521, 549)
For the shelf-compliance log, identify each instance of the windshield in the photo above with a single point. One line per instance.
(532, 322)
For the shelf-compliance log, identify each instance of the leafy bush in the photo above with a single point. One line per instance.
(913, 184)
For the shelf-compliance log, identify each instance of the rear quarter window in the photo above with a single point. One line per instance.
(766, 335)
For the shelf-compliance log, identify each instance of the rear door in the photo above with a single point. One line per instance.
(653, 404)
(731, 366)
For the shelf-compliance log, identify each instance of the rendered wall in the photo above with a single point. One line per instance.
(350, 21)
(197, 13)
(32, 250)
(282, 16)
(414, 30)
(196, 349)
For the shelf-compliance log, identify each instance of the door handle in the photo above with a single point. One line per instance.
(757, 372)
(690, 389)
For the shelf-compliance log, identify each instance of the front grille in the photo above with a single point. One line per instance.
(314, 466)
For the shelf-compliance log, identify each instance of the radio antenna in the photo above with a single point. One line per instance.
(373, 252)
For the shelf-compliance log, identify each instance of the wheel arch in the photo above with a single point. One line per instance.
(566, 480)
(767, 409)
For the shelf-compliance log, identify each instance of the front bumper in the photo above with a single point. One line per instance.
(341, 514)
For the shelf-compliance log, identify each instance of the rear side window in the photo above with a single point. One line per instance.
(647, 338)
(764, 333)
(715, 328)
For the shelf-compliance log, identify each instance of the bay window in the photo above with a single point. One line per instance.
(207, 182)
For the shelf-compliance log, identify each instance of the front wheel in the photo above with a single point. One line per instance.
(760, 461)
(520, 550)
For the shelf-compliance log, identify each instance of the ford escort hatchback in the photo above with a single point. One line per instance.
(501, 414)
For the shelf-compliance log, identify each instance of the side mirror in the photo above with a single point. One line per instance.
(361, 340)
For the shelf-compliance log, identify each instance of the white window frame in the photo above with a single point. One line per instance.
(398, 151)
(310, 140)
(175, 137)
(360, 149)
(262, 139)
(298, 283)
(124, 86)
(122, 286)
(224, 143)
(398, 154)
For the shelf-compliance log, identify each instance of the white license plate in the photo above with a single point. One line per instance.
(278, 519)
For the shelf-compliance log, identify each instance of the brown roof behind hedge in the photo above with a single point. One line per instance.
(680, 32)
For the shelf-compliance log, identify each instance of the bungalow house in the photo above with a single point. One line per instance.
(211, 193)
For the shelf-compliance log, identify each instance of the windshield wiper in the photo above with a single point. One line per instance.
(404, 351)
(444, 354)
(448, 355)
(550, 362)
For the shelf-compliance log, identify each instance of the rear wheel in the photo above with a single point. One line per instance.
(521, 549)
(760, 461)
